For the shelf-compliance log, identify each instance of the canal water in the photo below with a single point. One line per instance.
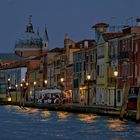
(33, 124)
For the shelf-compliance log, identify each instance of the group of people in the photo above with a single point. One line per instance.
(53, 99)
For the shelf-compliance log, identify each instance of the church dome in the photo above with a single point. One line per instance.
(29, 39)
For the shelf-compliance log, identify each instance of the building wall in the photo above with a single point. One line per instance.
(102, 73)
(113, 66)
(15, 75)
(28, 53)
(84, 64)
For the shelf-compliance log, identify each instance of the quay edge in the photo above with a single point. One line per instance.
(115, 112)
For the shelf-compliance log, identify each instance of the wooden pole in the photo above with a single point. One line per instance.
(138, 107)
(125, 99)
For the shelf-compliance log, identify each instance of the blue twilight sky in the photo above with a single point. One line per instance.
(74, 17)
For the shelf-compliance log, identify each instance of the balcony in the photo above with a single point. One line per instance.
(123, 55)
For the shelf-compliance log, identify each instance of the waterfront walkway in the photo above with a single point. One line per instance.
(76, 108)
(71, 107)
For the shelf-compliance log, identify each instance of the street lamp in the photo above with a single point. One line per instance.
(8, 85)
(45, 82)
(88, 80)
(27, 84)
(10, 90)
(34, 90)
(62, 80)
(16, 92)
(115, 75)
(26, 91)
(21, 85)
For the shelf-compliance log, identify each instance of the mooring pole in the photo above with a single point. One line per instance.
(138, 107)
(125, 98)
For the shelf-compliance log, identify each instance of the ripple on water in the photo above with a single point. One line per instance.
(28, 124)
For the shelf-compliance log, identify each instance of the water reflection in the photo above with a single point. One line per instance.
(63, 115)
(19, 123)
(88, 118)
(46, 114)
(116, 125)
(138, 128)
(22, 110)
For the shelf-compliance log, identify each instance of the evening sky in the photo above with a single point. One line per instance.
(75, 17)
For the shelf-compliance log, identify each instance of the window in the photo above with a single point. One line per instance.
(74, 69)
(119, 96)
(124, 69)
(90, 58)
(87, 58)
(84, 67)
(136, 48)
(75, 83)
(98, 68)
(86, 44)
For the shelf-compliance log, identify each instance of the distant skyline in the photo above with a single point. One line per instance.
(75, 17)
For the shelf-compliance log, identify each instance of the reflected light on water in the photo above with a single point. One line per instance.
(27, 110)
(88, 118)
(23, 109)
(63, 115)
(46, 114)
(116, 125)
(138, 127)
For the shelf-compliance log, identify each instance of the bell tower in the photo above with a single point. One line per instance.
(45, 41)
(29, 27)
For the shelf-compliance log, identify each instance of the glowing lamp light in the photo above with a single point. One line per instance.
(62, 79)
(115, 73)
(88, 77)
(27, 83)
(35, 83)
(9, 99)
(45, 81)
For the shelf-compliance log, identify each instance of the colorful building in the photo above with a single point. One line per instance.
(84, 63)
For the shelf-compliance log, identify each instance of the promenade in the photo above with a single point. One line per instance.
(76, 108)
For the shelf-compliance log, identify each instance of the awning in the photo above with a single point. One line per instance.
(50, 91)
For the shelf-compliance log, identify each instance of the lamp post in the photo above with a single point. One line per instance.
(115, 75)
(26, 91)
(16, 92)
(8, 84)
(27, 84)
(34, 90)
(10, 90)
(88, 80)
(62, 82)
(21, 85)
(45, 82)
